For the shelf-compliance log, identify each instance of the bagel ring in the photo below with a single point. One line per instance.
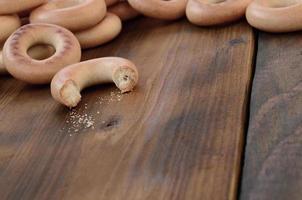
(275, 16)
(74, 15)
(8, 24)
(15, 6)
(20, 65)
(103, 32)
(68, 82)
(124, 11)
(214, 12)
(161, 9)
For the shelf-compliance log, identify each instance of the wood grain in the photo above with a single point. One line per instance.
(177, 136)
(273, 158)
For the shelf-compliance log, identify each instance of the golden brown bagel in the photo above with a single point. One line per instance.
(15, 6)
(74, 15)
(124, 11)
(68, 82)
(161, 9)
(275, 15)
(103, 32)
(214, 12)
(20, 65)
(8, 24)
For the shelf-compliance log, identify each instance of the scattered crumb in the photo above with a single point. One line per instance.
(114, 97)
(78, 121)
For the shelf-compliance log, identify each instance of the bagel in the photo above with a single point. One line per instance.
(124, 11)
(74, 15)
(20, 65)
(275, 16)
(68, 82)
(8, 24)
(15, 6)
(215, 12)
(103, 32)
(161, 9)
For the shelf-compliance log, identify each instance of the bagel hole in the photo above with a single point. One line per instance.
(281, 3)
(41, 51)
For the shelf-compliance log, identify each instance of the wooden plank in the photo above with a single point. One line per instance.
(177, 136)
(273, 158)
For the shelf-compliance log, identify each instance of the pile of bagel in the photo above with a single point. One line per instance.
(42, 40)
(266, 15)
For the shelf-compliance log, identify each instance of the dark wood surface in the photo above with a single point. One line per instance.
(178, 136)
(273, 158)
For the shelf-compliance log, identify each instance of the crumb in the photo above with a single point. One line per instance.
(79, 121)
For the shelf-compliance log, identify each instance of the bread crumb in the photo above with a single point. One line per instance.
(79, 121)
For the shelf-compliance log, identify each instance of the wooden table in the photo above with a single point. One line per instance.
(216, 115)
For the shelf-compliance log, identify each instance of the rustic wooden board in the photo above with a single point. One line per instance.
(177, 136)
(273, 158)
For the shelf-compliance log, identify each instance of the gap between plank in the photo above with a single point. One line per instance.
(247, 116)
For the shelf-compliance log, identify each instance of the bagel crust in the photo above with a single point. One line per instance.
(8, 24)
(105, 31)
(15, 6)
(161, 9)
(215, 12)
(275, 16)
(71, 14)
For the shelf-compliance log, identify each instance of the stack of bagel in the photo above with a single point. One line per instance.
(95, 22)
(40, 38)
(90, 21)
